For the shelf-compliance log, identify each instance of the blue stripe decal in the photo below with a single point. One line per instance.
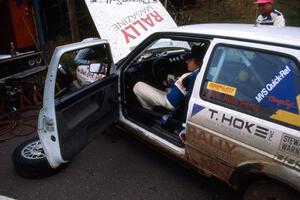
(196, 109)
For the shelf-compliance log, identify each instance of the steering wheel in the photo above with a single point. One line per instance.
(160, 71)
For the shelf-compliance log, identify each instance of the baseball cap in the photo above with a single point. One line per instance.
(263, 1)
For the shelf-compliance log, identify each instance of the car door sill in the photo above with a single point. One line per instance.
(151, 137)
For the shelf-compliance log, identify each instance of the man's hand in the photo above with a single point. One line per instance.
(178, 83)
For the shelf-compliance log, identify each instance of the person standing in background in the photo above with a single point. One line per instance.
(269, 15)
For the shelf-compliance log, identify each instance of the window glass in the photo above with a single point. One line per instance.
(78, 69)
(164, 46)
(254, 82)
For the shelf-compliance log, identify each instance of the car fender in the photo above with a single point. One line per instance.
(241, 176)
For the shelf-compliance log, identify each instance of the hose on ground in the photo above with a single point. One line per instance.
(18, 123)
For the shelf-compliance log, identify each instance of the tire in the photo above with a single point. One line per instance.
(30, 160)
(266, 190)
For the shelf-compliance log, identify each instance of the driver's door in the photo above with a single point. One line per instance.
(73, 113)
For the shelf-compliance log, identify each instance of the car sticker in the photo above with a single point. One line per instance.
(288, 160)
(290, 145)
(235, 123)
(224, 89)
(229, 100)
(280, 93)
(289, 151)
(275, 93)
(288, 117)
(196, 109)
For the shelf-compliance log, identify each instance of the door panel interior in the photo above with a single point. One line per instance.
(84, 114)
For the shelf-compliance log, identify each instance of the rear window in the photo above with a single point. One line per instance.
(254, 82)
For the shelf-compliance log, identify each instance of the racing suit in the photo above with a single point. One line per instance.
(275, 18)
(150, 97)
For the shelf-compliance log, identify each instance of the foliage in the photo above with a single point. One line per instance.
(183, 11)
(235, 11)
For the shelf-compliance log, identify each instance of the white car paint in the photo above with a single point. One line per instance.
(47, 126)
(264, 38)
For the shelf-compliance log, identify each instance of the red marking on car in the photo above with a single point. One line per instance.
(280, 102)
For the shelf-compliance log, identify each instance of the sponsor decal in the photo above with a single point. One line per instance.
(287, 103)
(224, 89)
(287, 160)
(240, 124)
(217, 143)
(272, 85)
(275, 94)
(289, 151)
(280, 93)
(261, 132)
(196, 109)
(210, 143)
(232, 101)
(290, 144)
(288, 117)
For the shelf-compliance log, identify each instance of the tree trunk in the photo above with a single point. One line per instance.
(73, 20)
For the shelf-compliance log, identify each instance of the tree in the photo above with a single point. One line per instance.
(73, 20)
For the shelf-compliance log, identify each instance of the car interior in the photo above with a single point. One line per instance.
(158, 65)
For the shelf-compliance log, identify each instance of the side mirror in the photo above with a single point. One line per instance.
(95, 67)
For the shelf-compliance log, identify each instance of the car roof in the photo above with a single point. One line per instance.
(262, 33)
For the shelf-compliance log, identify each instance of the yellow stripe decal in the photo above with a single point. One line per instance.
(224, 89)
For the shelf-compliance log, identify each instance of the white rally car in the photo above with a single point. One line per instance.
(242, 118)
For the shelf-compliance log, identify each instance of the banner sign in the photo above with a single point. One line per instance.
(126, 23)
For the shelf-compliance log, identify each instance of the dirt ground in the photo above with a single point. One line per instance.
(113, 166)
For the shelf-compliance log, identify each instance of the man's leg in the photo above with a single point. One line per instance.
(149, 96)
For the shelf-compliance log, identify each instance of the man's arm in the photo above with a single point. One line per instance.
(279, 21)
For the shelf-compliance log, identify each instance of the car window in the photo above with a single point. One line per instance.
(255, 82)
(80, 68)
(164, 46)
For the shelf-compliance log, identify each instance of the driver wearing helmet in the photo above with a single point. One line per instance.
(150, 97)
(269, 15)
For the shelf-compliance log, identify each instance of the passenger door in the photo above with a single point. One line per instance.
(245, 109)
(73, 114)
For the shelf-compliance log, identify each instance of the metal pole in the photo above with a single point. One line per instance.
(39, 26)
(166, 3)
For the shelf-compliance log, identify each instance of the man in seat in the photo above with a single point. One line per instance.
(150, 97)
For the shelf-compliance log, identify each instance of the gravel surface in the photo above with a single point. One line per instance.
(113, 166)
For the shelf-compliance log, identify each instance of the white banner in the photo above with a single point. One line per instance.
(125, 23)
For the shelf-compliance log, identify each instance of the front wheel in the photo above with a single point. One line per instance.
(269, 190)
(30, 160)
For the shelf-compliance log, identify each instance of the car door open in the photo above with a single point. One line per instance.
(73, 112)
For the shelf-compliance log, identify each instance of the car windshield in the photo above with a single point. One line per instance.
(164, 46)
